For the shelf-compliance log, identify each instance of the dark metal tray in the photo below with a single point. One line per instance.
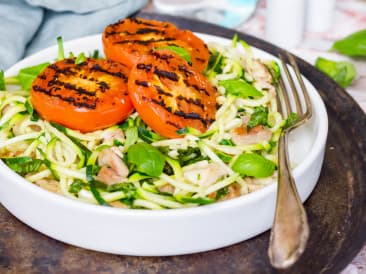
(336, 209)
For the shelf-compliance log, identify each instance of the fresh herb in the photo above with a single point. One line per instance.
(146, 158)
(147, 135)
(240, 88)
(178, 50)
(189, 156)
(2, 80)
(61, 53)
(214, 63)
(23, 165)
(353, 45)
(290, 120)
(27, 75)
(342, 72)
(235, 40)
(168, 169)
(255, 165)
(131, 136)
(274, 69)
(226, 142)
(80, 59)
(224, 157)
(34, 117)
(258, 117)
(77, 185)
(221, 193)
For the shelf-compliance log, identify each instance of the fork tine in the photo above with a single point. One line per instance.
(295, 94)
(283, 90)
(308, 112)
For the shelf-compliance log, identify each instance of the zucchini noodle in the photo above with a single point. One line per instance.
(199, 168)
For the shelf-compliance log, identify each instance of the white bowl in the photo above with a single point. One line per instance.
(166, 232)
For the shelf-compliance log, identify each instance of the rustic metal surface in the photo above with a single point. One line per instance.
(335, 209)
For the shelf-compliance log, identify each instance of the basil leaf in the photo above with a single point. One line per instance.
(240, 88)
(258, 117)
(147, 159)
(131, 136)
(342, 72)
(182, 52)
(353, 45)
(28, 74)
(23, 165)
(255, 165)
(2, 80)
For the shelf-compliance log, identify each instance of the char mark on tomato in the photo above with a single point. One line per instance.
(79, 102)
(142, 83)
(118, 74)
(144, 67)
(196, 102)
(144, 42)
(162, 92)
(166, 74)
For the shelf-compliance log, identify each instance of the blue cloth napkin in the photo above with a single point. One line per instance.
(27, 26)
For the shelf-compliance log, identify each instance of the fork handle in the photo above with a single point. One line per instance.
(290, 229)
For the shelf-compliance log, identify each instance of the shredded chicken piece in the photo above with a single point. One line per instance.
(259, 71)
(167, 188)
(113, 170)
(258, 134)
(118, 204)
(110, 135)
(234, 190)
(50, 185)
(204, 175)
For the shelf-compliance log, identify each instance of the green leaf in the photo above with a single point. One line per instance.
(23, 165)
(291, 119)
(226, 142)
(353, 45)
(258, 117)
(147, 135)
(2, 80)
(342, 72)
(147, 159)
(189, 156)
(240, 88)
(28, 74)
(274, 69)
(254, 165)
(80, 59)
(131, 136)
(182, 52)
(76, 186)
(222, 192)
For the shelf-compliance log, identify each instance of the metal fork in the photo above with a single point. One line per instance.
(290, 230)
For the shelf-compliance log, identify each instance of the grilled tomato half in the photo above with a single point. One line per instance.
(170, 95)
(87, 96)
(127, 40)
